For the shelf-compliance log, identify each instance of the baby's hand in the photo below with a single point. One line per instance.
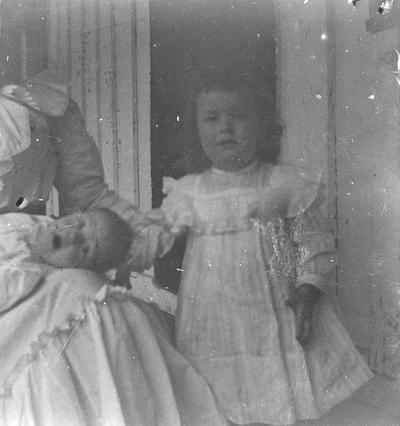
(122, 277)
(302, 302)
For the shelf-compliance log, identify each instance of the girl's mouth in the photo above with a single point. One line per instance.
(226, 143)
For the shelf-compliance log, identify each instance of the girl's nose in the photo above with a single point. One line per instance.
(226, 123)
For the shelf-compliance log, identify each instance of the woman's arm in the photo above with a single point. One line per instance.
(80, 176)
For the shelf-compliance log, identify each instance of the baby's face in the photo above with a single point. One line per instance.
(70, 241)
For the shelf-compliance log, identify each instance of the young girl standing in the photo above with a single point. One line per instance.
(252, 315)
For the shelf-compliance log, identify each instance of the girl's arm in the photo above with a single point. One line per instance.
(315, 260)
(316, 254)
(150, 241)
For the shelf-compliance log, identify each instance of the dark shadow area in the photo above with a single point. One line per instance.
(188, 38)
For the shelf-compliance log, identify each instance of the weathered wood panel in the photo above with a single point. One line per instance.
(89, 38)
(304, 91)
(142, 62)
(126, 95)
(105, 87)
(95, 42)
(368, 192)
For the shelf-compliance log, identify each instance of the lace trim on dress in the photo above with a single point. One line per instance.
(62, 332)
(290, 192)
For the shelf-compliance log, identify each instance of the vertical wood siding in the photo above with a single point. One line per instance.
(340, 103)
(95, 41)
(368, 187)
(304, 95)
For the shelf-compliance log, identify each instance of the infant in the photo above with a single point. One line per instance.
(31, 245)
(98, 240)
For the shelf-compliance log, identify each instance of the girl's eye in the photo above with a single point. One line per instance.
(210, 118)
(79, 238)
(240, 115)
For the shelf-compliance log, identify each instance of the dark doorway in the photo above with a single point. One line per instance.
(188, 37)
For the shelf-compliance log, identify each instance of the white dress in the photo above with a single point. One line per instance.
(77, 352)
(249, 234)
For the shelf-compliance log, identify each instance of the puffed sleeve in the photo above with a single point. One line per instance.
(80, 176)
(314, 240)
(15, 138)
(177, 206)
(17, 280)
(164, 224)
(151, 241)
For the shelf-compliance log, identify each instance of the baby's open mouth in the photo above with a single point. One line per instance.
(57, 242)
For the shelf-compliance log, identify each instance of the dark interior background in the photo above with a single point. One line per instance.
(186, 38)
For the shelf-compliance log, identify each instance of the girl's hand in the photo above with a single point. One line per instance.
(302, 302)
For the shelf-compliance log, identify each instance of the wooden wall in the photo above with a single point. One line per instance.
(367, 105)
(339, 99)
(96, 42)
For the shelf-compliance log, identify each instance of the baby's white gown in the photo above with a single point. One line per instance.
(75, 352)
(232, 321)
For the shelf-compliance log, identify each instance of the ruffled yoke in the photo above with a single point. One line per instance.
(290, 191)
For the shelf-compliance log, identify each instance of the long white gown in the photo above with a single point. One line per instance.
(76, 352)
(253, 235)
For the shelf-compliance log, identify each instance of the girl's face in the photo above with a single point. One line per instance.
(228, 128)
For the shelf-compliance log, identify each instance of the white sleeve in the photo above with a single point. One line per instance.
(17, 280)
(19, 275)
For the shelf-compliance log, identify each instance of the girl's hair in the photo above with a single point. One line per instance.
(191, 157)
